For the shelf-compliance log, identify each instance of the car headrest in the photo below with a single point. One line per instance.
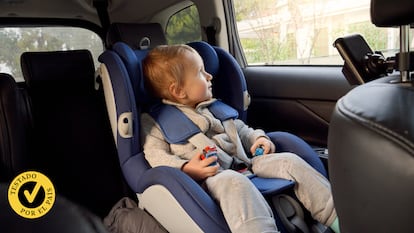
(138, 36)
(371, 151)
(386, 13)
(133, 64)
(209, 56)
(72, 67)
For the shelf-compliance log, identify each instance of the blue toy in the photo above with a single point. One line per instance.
(259, 151)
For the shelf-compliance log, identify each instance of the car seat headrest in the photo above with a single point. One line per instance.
(72, 67)
(209, 56)
(137, 36)
(385, 13)
(133, 64)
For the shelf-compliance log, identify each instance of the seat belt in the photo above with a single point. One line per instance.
(211, 31)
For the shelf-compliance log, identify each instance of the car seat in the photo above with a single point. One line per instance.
(371, 142)
(70, 138)
(121, 74)
(14, 128)
(17, 156)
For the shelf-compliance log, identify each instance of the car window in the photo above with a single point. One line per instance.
(184, 26)
(16, 40)
(301, 32)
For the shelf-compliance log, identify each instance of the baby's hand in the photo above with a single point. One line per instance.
(199, 169)
(263, 143)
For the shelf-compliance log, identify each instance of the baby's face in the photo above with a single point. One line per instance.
(197, 82)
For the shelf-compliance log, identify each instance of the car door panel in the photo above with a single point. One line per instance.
(297, 99)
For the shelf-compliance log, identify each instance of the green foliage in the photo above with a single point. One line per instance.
(375, 37)
(268, 49)
(184, 26)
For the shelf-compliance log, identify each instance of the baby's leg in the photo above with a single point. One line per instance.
(243, 206)
(312, 188)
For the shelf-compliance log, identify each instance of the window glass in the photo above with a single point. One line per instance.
(14, 41)
(303, 31)
(184, 26)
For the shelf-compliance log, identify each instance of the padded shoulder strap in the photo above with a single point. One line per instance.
(178, 128)
(223, 111)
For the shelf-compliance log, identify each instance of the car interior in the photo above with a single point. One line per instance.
(74, 115)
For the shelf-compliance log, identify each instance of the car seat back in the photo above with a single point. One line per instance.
(14, 128)
(71, 140)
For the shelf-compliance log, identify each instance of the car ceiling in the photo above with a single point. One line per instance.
(118, 10)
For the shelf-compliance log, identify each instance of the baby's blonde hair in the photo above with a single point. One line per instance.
(164, 66)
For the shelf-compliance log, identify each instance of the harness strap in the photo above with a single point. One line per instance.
(178, 128)
(175, 125)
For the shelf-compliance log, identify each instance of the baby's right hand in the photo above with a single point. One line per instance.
(199, 169)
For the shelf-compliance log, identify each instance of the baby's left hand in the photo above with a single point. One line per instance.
(265, 143)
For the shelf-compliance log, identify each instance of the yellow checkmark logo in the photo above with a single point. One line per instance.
(31, 194)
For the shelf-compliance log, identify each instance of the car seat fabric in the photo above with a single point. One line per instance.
(177, 128)
(71, 134)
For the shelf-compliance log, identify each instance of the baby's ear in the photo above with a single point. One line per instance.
(176, 91)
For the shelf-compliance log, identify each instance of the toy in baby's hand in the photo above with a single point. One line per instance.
(209, 151)
(259, 151)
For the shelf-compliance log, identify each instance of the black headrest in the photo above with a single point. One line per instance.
(387, 13)
(371, 151)
(14, 126)
(138, 36)
(72, 67)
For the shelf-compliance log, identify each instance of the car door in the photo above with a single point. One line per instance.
(298, 99)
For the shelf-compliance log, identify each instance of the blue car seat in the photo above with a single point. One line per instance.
(172, 197)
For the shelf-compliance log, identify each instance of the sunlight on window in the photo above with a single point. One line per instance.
(303, 31)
